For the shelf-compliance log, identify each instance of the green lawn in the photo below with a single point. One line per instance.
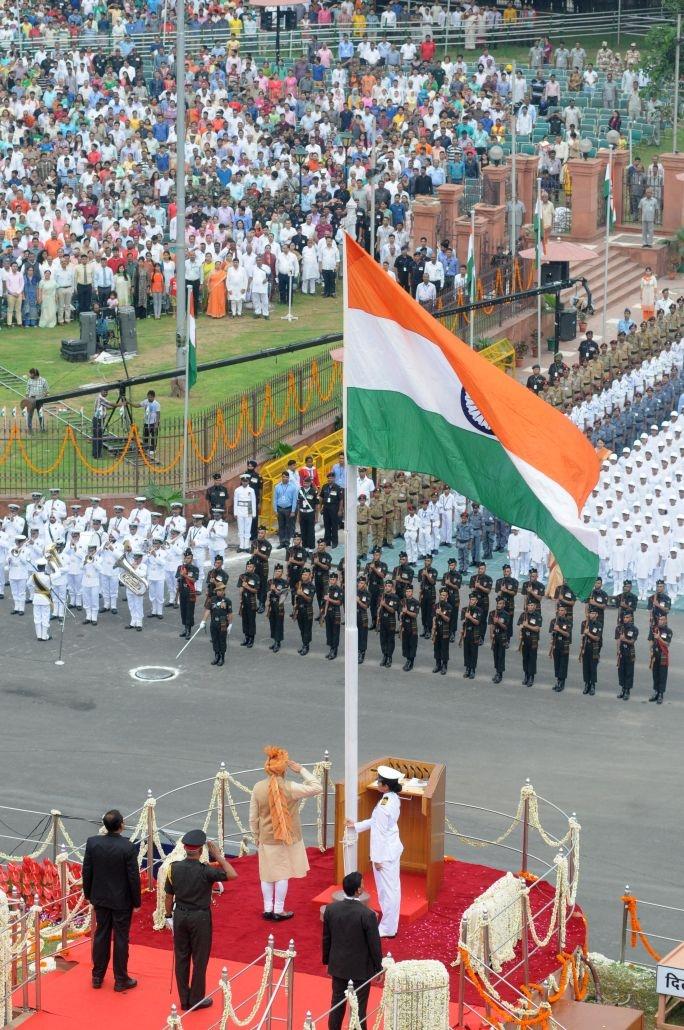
(20, 349)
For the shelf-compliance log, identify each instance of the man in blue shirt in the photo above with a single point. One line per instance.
(285, 507)
(339, 471)
(626, 324)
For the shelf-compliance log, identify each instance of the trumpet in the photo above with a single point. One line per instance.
(40, 504)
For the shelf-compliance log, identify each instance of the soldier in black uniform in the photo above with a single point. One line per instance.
(441, 629)
(257, 484)
(331, 502)
(261, 549)
(560, 629)
(452, 581)
(658, 604)
(275, 607)
(565, 596)
(219, 610)
(499, 635)
(626, 602)
(660, 658)
(530, 622)
(481, 583)
(626, 634)
(387, 621)
(362, 606)
(598, 601)
(402, 574)
(333, 601)
(216, 575)
(473, 622)
(409, 627)
(307, 504)
(296, 560)
(303, 609)
(248, 588)
(216, 495)
(404, 267)
(536, 382)
(427, 577)
(376, 571)
(189, 884)
(507, 588)
(590, 652)
(187, 575)
(321, 560)
(533, 589)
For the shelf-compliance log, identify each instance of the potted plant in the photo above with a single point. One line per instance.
(521, 349)
(162, 497)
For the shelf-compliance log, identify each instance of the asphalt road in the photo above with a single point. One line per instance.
(86, 736)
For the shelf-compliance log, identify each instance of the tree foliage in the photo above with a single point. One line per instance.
(659, 50)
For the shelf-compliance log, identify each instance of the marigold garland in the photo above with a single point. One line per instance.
(637, 934)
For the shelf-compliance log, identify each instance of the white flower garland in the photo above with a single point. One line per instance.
(5, 962)
(499, 910)
(416, 997)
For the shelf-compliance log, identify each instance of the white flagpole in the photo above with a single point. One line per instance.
(186, 395)
(514, 191)
(472, 292)
(351, 633)
(608, 203)
(540, 231)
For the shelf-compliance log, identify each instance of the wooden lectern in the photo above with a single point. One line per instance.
(421, 824)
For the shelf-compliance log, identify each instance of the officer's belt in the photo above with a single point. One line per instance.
(186, 908)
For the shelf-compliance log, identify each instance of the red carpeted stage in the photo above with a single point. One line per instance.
(240, 934)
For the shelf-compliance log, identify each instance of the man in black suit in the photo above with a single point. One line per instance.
(111, 883)
(351, 949)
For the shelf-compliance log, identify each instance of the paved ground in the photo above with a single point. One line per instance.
(86, 735)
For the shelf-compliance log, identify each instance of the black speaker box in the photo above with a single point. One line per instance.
(88, 336)
(554, 271)
(129, 331)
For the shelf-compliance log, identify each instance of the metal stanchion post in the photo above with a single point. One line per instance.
(23, 926)
(223, 808)
(561, 914)
(486, 952)
(308, 1021)
(63, 889)
(270, 947)
(324, 810)
(14, 918)
(290, 984)
(524, 932)
(526, 832)
(55, 815)
(461, 976)
(150, 844)
(625, 913)
(36, 913)
(571, 856)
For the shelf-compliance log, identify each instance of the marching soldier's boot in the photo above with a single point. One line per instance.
(217, 658)
(443, 670)
(250, 642)
(530, 681)
(245, 642)
(362, 655)
(654, 696)
(272, 647)
(384, 660)
(276, 648)
(407, 665)
(659, 699)
(561, 686)
(184, 633)
(587, 688)
(388, 664)
(304, 650)
(438, 666)
(329, 654)
(524, 682)
(625, 696)
(621, 695)
(222, 660)
(333, 655)
(592, 690)
(466, 674)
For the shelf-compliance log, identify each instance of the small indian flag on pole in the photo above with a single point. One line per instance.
(192, 346)
(470, 266)
(608, 194)
(419, 398)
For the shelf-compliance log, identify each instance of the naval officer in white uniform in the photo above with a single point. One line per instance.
(386, 847)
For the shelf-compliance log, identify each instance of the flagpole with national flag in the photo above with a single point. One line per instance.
(610, 222)
(471, 274)
(190, 377)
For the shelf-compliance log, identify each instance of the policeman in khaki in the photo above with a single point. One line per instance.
(386, 847)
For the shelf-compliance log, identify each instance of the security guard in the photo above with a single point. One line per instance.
(303, 609)
(481, 583)
(386, 847)
(362, 606)
(563, 595)
(219, 610)
(441, 631)
(590, 652)
(427, 577)
(216, 575)
(560, 629)
(296, 560)
(452, 581)
(660, 658)
(387, 622)
(216, 495)
(331, 503)
(189, 884)
(473, 623)
(321, 562)
(402, 574)
(476, 522)
(464, 542)
(506, 587)
(499, 635)
(533, 589)
(362, 527)
(261, 549)
(626, 634)
(376, 511)
(536, 382)
(257, 484)
(409, 627)
(376, 571)
(248, 587)
(530, 622)
(333, 614)
(626, 602)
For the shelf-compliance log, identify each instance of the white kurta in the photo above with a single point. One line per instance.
(385, 851)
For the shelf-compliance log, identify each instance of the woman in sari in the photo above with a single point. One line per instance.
(216, 287)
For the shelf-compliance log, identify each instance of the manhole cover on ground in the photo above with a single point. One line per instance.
(154, 673)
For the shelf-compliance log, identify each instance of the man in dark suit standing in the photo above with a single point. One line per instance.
(111, 883)
(351, 949)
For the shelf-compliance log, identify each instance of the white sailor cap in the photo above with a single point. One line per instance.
(20, 536)
(41, 563)
(36, 493)
(386, 772)
(140, 499)
(13, 507)
(95, 500)
(54, 489)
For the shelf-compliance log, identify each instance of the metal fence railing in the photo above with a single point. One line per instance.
(633, 189)
(221, 438)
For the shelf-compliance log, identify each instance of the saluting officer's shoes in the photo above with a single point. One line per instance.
(216, 660)
(437, 667)
(362, 655)
(443, 670)
(276, 648)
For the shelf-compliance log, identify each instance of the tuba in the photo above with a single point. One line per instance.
(53, 559)
(131, 580)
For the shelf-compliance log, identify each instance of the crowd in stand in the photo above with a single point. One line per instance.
(278, 156)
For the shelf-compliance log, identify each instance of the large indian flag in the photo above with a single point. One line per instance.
(419, 398)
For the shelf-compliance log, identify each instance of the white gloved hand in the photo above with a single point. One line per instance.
(169, 923)
(230, 628)
(202, 624)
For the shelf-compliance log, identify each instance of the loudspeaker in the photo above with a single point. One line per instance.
(74, 350)
(554, 271)
(568, 325)
(129, 332)
(88, 337)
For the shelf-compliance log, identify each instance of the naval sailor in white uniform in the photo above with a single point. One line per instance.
(386, 847)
